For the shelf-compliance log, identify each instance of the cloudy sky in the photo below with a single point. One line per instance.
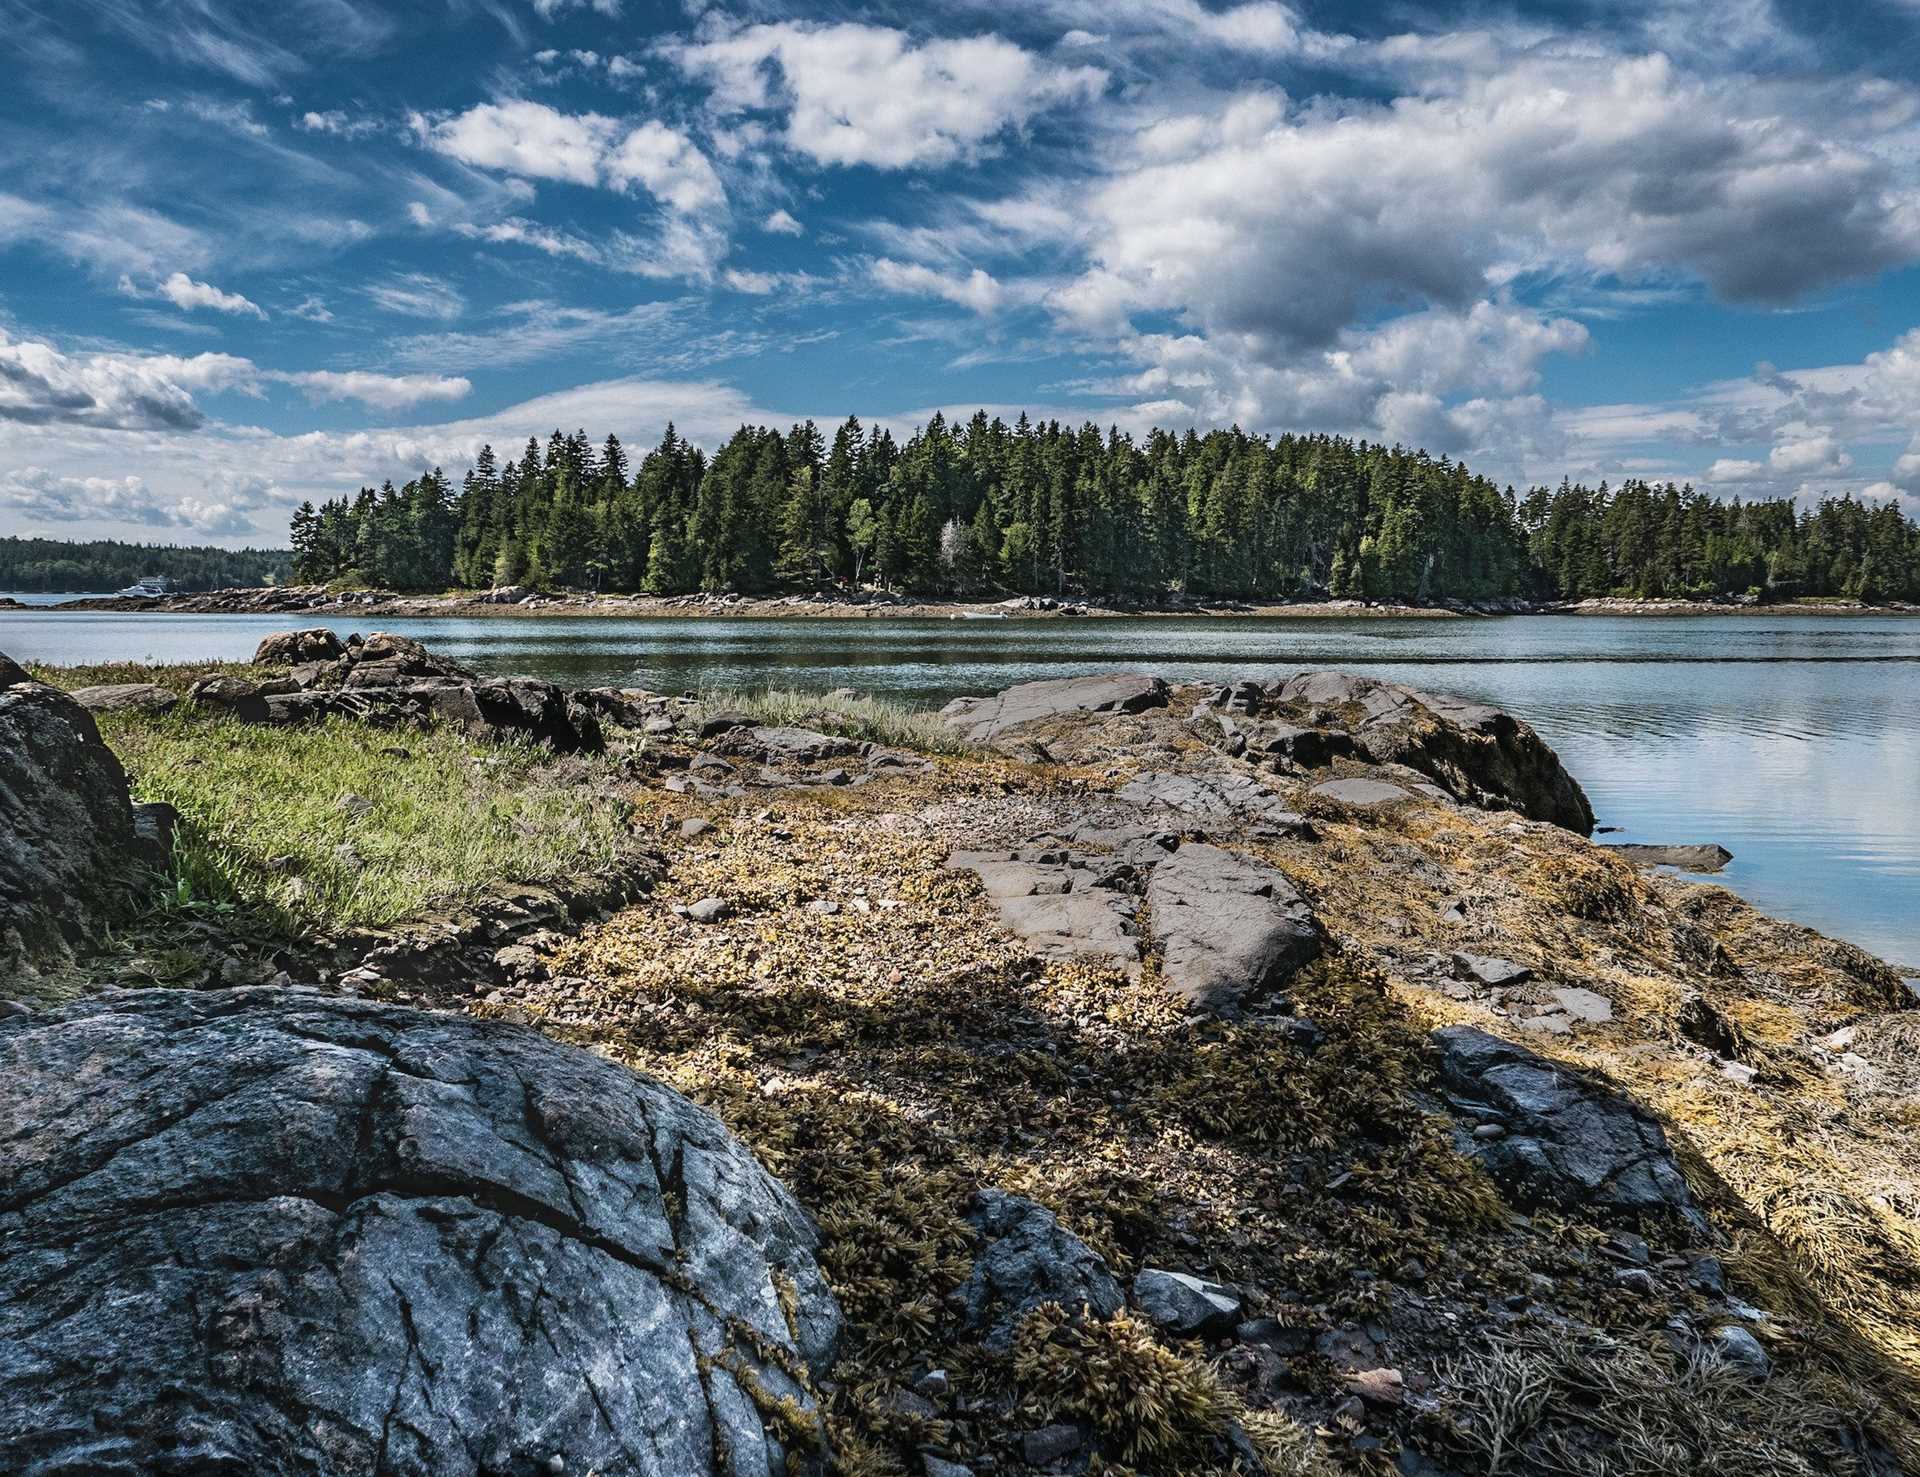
(252, 254)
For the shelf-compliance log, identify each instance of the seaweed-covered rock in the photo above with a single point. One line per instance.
(1567, 1141)
(255, 1231)
(1029, 1259)
(69, 848)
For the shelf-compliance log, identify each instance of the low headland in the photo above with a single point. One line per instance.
(408, 1070)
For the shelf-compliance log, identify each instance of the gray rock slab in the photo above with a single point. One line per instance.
(254, 1231)
(1228, 929)
(122, 697)
(1704, 858)
(1214, 798)
(984, 719)
(1360, 794)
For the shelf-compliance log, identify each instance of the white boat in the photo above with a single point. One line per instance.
(149, 587)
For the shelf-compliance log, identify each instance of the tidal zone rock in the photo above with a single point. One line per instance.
(255, 1231)
(1555, 1138)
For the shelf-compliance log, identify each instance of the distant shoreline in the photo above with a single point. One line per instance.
(295, 602)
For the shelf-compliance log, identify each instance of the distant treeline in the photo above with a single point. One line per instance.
(1042, 508)
(55, 566)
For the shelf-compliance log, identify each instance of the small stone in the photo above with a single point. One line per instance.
(348, 855)
(1050, 1444)
(1624, 1246)
(1490, 971)
(941, 1467)
(354, 805)
(1740, 1351)
(1487, 1132)
(935, 1384)
(1738, 1073)
(657, 726)
(1636, 1280)
(823, 905)
(694, 826)
(912, 1405)
(1378, 1386)
(1184, 1306)
(710, 910)
(556, 1463)
(1709, 1276)
(1273, 1334)
(1841, 1039)
(1586, 1006)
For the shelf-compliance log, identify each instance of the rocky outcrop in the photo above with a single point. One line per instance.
(70, 851)
(1476, 753)
(1551, 1137)
(1230, 930)
(1028, 1258)
(390, 679)
(290, 648)
(985, 719)
(256, 1231)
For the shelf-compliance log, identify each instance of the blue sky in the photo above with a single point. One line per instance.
(253, 254)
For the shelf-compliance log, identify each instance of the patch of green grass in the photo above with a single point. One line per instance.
(175, 676)
(878, 720)
(267, 820)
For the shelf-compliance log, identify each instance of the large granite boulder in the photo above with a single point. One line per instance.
(984, 719)
(70, 852)
(1229, 929)
(1476, 753)
(1562, 1140)
(256, 1231)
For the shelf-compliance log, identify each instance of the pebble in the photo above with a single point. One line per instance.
(1739, 1073)
(1490, 1131)
(710, 910)
(1741, 1352)
(694, 826)
(1050, 1444)
(934, 1384)
(940, 1467)
(823, 905)
(1635, 1280)
(354, 805)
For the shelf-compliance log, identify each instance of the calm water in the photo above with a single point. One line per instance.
(1793, 741)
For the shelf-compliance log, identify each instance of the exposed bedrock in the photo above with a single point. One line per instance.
(259, 1231)
(983, 719)
(1476, 753)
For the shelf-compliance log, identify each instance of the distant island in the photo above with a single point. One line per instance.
(1042, 509)
(58, 567)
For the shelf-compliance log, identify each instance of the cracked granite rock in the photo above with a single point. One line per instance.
(257, 1231)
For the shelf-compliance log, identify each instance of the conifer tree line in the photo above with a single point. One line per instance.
(1041, 508)
(59, 566)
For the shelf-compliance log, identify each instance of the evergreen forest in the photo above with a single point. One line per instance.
(1048, 509)
(57, 566)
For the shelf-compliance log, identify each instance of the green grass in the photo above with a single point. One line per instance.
(175, 676)
(876, 720)
(263, 823)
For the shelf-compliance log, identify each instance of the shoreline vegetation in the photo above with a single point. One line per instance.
(526, 602)
(1274, 1233)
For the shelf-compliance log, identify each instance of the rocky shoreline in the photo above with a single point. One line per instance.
(1177, 1078)
(519, 601)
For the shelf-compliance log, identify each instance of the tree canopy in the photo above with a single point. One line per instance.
(1043, 508)
(56, 566)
